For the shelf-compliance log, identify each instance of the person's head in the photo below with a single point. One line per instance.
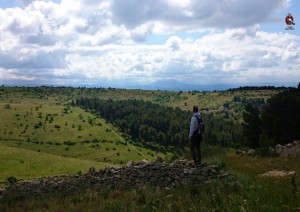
(195, 109)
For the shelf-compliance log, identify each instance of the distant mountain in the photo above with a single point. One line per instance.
(170, 85)
(174, 85)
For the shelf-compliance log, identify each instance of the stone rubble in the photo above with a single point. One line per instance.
(291, 149)
(132, 175)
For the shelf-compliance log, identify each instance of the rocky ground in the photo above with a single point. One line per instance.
(132, 175)
(291, 149)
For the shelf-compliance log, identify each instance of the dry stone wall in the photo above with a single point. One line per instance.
(133, 175)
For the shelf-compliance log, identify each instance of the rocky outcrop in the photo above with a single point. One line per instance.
(132, 175)
(291, 149)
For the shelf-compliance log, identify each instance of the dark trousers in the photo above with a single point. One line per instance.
(195, 148)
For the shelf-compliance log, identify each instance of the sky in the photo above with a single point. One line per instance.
(126, 42)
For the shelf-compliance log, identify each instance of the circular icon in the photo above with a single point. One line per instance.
(289, 20)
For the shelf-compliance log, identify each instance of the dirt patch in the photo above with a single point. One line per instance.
(278, 173)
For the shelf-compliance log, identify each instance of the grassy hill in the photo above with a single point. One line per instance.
(39, 119)
(22, 164)
(46, 125)
(40, 135)
(65, 131)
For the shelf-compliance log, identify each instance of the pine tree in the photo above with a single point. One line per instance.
(281, 119)
(251, 126)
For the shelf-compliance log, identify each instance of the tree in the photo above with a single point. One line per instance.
(251, 126)
(281, 118)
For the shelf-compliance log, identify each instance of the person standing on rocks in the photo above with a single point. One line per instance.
(195, 137)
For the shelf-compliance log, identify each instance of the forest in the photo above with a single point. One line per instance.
(160, 127)
(276, 123)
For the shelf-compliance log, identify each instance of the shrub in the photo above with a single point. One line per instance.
(11, 180)
(38, 125)
(7, 106)
(69, 143)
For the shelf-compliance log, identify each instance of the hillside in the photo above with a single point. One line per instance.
(41, 119)
(44, 124)
(66, 131)
(44, 133)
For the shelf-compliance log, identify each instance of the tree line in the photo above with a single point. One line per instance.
(250, 88)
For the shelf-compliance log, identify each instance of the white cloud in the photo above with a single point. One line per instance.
(192, 14)
(91, 40)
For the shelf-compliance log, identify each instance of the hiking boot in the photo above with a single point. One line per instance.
(197, 163)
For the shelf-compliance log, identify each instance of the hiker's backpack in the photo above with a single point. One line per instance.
(201, 126)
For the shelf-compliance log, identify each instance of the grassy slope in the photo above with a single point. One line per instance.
(27, 124)
(23, 164)
(20, 126)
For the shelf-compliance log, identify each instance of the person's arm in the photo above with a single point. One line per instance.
(192, 126)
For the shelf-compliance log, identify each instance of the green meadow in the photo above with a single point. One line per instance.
(24, 164)
(49, 126)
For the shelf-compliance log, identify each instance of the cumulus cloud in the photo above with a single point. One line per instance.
(92, 41)
(191, 14)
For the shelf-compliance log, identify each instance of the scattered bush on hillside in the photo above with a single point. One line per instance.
(7, 106)
(95, 140)
(69, 143)
(38, 125)
(11, 180)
